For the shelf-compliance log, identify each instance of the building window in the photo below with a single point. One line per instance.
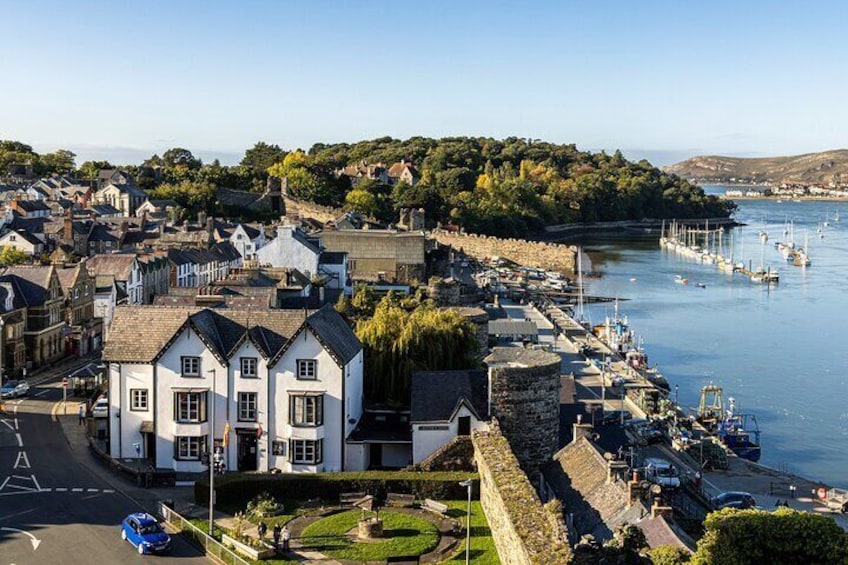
(248, 367)
(191, 366)
(247, 407)
(307, 369)
(307, 410)
(190, 407)
(189, 448)
(138, 399)
(308, 452)
(278, 448)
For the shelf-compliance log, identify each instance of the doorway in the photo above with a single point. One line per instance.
(150, 448)
(376, 456)
(247, 456)
(464, 426)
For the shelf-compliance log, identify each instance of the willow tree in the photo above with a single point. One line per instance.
(398, 342)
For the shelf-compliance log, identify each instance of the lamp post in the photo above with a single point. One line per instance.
(209, 449)
(467, 483)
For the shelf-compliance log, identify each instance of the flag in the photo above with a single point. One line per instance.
(259, 431)
(226, 434)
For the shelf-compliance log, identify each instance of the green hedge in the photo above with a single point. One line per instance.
(238, 488)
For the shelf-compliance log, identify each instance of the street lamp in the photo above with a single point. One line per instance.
(468, 483)
(209, 449)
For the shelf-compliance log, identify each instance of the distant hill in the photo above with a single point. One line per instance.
(809, 168)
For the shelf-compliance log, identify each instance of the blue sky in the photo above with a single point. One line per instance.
(120, 80)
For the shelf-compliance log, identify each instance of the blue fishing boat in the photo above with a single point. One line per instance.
(738, 432)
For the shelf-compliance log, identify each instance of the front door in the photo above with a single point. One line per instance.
(150, 448)
(247, 451)
(376, 456)
(464, 426)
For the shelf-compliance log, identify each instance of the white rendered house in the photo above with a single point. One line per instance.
(287, 384)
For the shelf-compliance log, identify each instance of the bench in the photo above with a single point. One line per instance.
(402, 500)
(435, 507)
(348, 498)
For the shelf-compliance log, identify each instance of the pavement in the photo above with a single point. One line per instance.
(58, 502)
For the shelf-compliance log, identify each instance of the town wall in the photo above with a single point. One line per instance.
(549, 256)
(525, 532)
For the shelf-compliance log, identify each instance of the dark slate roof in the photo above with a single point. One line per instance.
(223, 331)
(177, 257)
(24, 234)
(118, 265)
(227, 250)
(32, 205)
(32, 225)
(382, 427)
(101, 232)
(436, 395)
(332, 257)
(104, 209)
(30, 283)
(164, 203)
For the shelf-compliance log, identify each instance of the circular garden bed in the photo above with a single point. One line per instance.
(403, 535)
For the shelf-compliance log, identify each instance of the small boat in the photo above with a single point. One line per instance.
(738, 432)
(701, 285)
(632, 279)
(680, 280)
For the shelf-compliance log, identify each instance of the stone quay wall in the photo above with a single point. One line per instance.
(549, 256)
(524, 391)
(524, 531)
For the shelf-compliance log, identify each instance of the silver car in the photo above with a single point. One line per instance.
(14, 389)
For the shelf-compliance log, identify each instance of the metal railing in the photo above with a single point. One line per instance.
(210, 545)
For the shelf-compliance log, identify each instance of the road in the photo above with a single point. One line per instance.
(53, 507)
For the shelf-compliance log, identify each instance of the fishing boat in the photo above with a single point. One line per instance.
(680, 280)
(738, 432)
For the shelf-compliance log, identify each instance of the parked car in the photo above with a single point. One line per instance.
(661, 472)
(14, 389)
(144, 532)
(100, 409)
(739, 500)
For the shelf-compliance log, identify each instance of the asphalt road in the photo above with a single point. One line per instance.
(52, 508)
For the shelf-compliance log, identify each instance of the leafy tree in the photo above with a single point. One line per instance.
(260, 157)
(669, 555)
(743, 537)
(308, 178)
(12, 256)
(60, 161)
(90, 169)
(187, 193)
(180, 157)
(14, 152)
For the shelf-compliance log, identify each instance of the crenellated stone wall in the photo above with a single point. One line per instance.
(524, 531)
(548, 256)
(524, 397)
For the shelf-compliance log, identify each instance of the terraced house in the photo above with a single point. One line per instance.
(286, 387)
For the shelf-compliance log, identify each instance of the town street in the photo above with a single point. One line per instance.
(57, 506)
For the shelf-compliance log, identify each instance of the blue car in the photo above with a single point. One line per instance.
(144, 532)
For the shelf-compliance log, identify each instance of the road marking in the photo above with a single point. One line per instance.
(53, 412)
(16, 423)
(4, 483)
(37, 486)
(108, 491)
(45, 490)
(60, 489)
(94, 490)
(20, 477)
(34, 540)
(8, 423)
(20, 439)
(76, 490)
(22, 462)
(45, 391)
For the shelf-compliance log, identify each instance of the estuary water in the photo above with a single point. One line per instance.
(780, 351)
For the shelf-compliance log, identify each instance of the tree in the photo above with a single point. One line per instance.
(362, 201)
(669, 555)
(743, 537)
(187, 193)
(180, 157)
(90, 169)
(60, 161)
(12, 256)
(260, 157)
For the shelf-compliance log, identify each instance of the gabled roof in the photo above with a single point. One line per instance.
(26, 236)
(69, 276)
(437, 395)
(32, 205)
(104, 209)
(127, 188)
(32, 225)
(31, 283)
(223, 331)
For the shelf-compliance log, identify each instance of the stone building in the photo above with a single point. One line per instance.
(374, 255)
(524, 398)
(86, 331)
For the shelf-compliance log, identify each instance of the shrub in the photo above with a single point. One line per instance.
(233, 489)
(263, 505)
(669, 555)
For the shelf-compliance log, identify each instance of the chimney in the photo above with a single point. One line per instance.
(68, 227)
(616, 471)
(579, 429)
(657, 509)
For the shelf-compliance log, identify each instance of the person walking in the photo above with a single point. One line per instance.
(263, 529)
(82, 414)
(286, 535)
(277, 531)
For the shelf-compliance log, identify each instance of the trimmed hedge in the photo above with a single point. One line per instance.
(238, 488)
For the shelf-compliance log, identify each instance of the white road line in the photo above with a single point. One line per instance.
(94, 490)
(16, 423)
(4, 483)
(76, 490)
(108, 491)
(20, 440)
(45, 391)
(22, 462)
(60, 489)
(8, 424)
(20, 477)
(28, 489)
(38, 486)
(46, 490)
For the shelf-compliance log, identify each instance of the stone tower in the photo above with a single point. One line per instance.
(524, 397)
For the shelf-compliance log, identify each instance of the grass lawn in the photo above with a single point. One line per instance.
(483, 550)
(404, 535)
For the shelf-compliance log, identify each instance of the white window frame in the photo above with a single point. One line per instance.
(307, 370)
(188, 362)
(307, 451)
(139, 400)
(189, 448)
(193, 411)
(306, 410)
(248, 405)
(245, 363)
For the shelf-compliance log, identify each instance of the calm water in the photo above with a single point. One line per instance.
(781, 352)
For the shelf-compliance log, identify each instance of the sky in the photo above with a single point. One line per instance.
(121, 80)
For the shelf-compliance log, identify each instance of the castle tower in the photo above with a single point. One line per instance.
(524, 397)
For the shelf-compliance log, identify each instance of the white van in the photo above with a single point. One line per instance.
(661, 472)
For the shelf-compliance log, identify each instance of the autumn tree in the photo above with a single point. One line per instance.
(12, 256)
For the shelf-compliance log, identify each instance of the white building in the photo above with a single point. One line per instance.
(126, 270)
(247, 240)
(291, 248)
(22, 240)
(286, 383)
(461, 405)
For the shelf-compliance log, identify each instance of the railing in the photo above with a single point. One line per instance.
(210, 546)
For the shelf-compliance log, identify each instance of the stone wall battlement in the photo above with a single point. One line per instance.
(549, 256)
